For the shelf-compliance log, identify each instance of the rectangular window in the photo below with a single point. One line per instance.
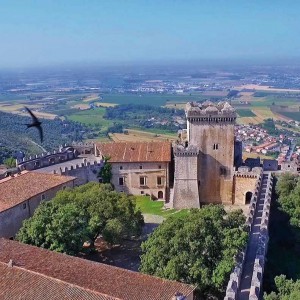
(223, 171)
(43, 197)
(142, 181)
(121, 180)
(159, 180)
(24, 205)
(142, 192)
(121, 167)
(159, 166)
(141, 167)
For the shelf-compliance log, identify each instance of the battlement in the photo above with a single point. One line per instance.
(245, 172)
(84, 165)
(180, 150)
(208, 112)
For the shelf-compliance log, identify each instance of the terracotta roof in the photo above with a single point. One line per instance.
(17, 189)
(136, 152)
(18, 283)
(87, 275)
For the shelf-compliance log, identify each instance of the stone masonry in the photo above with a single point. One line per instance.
(208, 153)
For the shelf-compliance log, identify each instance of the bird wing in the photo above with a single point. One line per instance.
(41, 132)
(35, 119)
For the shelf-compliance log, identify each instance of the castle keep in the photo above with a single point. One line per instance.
(204, 158)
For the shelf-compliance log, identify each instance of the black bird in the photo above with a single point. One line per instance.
(35, 123)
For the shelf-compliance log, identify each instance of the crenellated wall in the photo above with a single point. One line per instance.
(84, 172)
(263, 194)
(186, 185)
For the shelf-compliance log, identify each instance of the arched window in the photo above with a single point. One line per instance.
(160, 195)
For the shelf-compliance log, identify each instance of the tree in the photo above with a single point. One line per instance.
(199, 249)
(105, 172)
(82, 214)
(286, 183)
(287, 289)
(10, 162)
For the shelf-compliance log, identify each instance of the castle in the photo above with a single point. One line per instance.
(206, 155)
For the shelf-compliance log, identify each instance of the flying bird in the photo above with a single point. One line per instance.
(35, 123)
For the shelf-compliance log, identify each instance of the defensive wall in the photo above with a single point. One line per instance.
(257, 221)
(84, 172)
(64, 153)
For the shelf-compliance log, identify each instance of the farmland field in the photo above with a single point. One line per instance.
(139, 135)
(91, 117)
(291, 115)
(245, 113)
(153, 99)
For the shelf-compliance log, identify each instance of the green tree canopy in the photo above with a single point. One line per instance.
(82, 214)
(199, 249)
(10, 162)
(105, 172)
(287, 289)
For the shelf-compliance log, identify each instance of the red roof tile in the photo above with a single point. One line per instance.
(18, 283)
(88, 275)
(136, 152)
(15, 190)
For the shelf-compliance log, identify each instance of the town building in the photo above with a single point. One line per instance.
(28, 272)
(21, 194)
(139, 168)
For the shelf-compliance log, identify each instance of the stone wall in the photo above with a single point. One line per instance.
(186, 185)
(11, 219)
(244, 181)
(258, 269)
(216, 146)
(46, 159)
(84, 172)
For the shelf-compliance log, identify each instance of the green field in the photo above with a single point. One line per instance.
(292, 115)
(152, 99)
(91, 117)
(245, 113)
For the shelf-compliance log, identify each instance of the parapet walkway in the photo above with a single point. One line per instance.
(254, 242)
(245, 281)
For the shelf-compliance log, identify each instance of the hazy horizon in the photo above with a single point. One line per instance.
(53, 33)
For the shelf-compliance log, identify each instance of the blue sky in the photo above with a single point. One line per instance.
(45, 32)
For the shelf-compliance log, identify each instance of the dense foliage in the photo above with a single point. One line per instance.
(287, 289)
(284, 243)
(199, 249)
(105, 173)
(80, 215)
(14, 135)
(144, 116)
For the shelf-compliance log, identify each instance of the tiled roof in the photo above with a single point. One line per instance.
(87, 275)
(17, 189)
(18, 283)
(136, 152)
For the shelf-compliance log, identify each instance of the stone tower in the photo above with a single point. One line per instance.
(210, 133)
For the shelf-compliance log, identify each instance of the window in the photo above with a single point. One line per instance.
(24, 205)
(121, 167)
(215, 146)
(141, 167)
(121, 180)
(43, 197)
(142, 181)
(159, 180)
(142, 192)
(223, 171)
(159, 166)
